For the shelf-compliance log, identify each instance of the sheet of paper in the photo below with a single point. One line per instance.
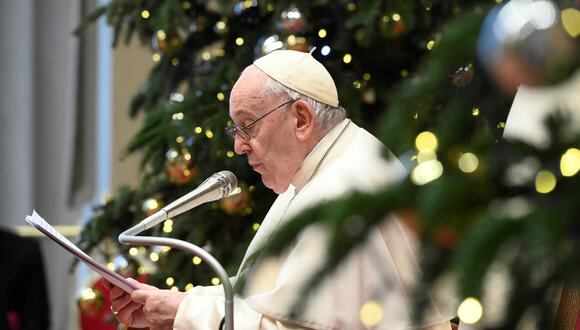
(44, 227)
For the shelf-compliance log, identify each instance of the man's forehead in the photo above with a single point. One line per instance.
(247, 105)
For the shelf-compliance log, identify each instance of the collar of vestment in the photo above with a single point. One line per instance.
(312, 162)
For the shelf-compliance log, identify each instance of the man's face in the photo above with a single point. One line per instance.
(271, 150)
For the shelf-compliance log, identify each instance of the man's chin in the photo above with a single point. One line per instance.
(270, 184)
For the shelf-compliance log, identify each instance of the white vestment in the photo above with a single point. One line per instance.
(383, 269)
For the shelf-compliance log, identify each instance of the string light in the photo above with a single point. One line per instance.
(426, 155)
(291, 40)
(156, 57)
(154, 256)
(220, 25)
(430, 44)
(168, 226)
(177, 97)
(198, 130)
(120, 262)
(209, 134)
(174, 288)
(88, 294)
(545, 182)
(475, 112)
(188, 286)
(468, 162)
(404, 73)
(501, 124)
(426, 141)
(371, 313)
(470, 311)
(569, 21)
(133, 251)
(570, 162)
(366, 76)
(152, 203)
(141, 270)
(396, 17)
(230, 154)
(322, 33)
(161, 35)
(177, 116)
(206, 56)
(426, 172)
(145, 14)
(175, 61)
(351, 6)
(239, 41)
(356, 84)
(325, 50)
(215, 281)
(256, 226)
(186, 5)
(179, 139)
(220, 96)
(196, 260)
(270, 7)
(111, 266)
(169, 281)
(347, 58)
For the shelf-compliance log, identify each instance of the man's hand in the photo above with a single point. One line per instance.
(146, 307)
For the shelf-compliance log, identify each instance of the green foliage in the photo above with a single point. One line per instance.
(394, 86)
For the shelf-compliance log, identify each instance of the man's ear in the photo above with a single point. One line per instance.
(305, 120)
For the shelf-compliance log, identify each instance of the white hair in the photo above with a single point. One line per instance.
(326, 115)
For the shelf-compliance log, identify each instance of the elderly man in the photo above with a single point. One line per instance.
(290, 127)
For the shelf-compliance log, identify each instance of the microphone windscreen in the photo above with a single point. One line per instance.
(228, 182)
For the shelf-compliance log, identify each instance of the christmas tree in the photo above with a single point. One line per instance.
(407, 71)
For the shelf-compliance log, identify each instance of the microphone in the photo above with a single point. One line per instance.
(216, 187)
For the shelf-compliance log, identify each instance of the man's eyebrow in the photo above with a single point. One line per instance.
(242, 112)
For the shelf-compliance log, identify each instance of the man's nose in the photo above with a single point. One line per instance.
(241, 146)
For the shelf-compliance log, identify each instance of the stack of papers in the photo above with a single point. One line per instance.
(44, 227)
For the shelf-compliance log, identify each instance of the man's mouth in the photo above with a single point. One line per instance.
(255, 165)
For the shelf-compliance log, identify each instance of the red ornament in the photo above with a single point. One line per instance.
(446, 237)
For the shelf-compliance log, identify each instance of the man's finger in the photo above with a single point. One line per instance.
(140, 296)
(120, 302)
(125, 314)
(116, 292)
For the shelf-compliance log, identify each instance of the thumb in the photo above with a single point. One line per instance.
(140, 296)
(141, 286)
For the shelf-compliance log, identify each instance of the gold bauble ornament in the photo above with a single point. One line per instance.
(524, 43)
(463, 76)
(166, 43)
(297, 43)
(90, 301)
(292, 20)
(237, 202)
(179, 166)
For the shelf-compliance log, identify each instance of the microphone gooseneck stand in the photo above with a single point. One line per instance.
(128, 237)
(219, 185)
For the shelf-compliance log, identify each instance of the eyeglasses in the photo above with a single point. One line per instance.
(233, 130)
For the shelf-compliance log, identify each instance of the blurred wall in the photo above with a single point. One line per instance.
(131, 65)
